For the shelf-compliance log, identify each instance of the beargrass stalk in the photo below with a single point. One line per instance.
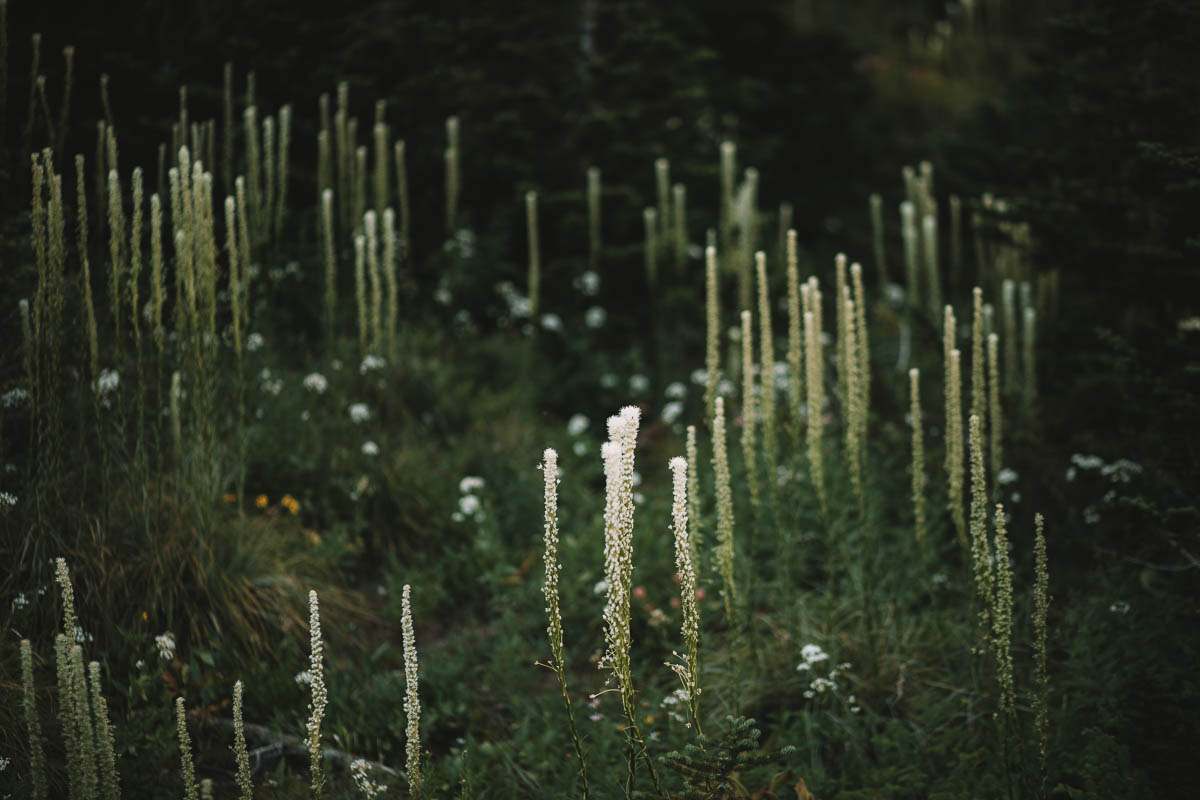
(550, 591)
(979, 398)
(391, 284)
(712, 339)
(282, 157)
(412, 700)
(815, 382)
(918, 457)
(908, 234)
(33, 727)
(89, 307)
(650, 246)
(244, 248)
(330, 264)
(981, 558)
(402, 197)
(1029, 382)
(852, 425)
(380, 188)
(695, 523)
(842, 323)
(994, 417)
(728, 171)
(227, 129)
(359, 200)
(110, 781)
(662, 193)
(956, 242)
(316, 708)
(360, 292)
(86, 745)
(535, 258)
(863, 355)
(689, 671)
(795, 353)
(880, 252)
(929, 248)
(190, 789)
(679, 225)
(1041, 677)
(253, 175)
(750, 414)
(116, 250)
(1008, 333)
(593, 207)
(269, 164)
(371, 226)
(64, 109)
(954, 437)
(453, 174)
(241, 756)
(1002, 621)
(767, 369)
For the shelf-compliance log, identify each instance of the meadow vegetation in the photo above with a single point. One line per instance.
(341, 460)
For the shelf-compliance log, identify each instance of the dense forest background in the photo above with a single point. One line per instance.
(1083, 116)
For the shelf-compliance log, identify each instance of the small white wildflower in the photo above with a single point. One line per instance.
(1119, 607)
(520, 306)
(21, 600)
(894, 294)
(580, 447)
(638, 498)
(577, 424)
(14, 397)
(1071, 473)
(108, 381)
(370, 363)
(254, 342)
(1015, 497)
(1006, 476)
(601, 587)
(734, 334)
(315, 382)
(676, 390)
(552, 322)
(638, 383)
(165, 642)
(699, 377)
(359, 412)
(139, 663)
(671, 411)
(82, 636)
(595, 317)
(588, 284)
(471, 483)
(940, 579)
(370, 449)
(457, 516)
(304, 678)
(468, 505)
(368, 787)
(1121, 471)
(7, 500)
(1087, 462)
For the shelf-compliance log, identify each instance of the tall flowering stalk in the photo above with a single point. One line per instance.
(689, 670)
(105, 754)
(724, 495)
(695, 528)
(412, 702)
(954, 437)
(766, 346)
(795, 353)
(37, 752)
(850, 379)
(997, 423)
(241, 756)
(712, 350)
(863, 354)
(814, 379)
(1002, 619)
(981, 558)
(550, 590)
(618, 453)
(317, 706)
(190, 790)
(749, 413)
(1041, 609)
(918, 456)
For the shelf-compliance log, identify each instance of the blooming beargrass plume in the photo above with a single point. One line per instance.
(981, 557)
(712, 350)
(554, 630)
(33, 728)
(750, 416)
(412, 700)
(1041, 677)
(316, 708)
(918, 457)
(188, 768)
(724, 494)
(689, 670)
(240, 754)
(1002, 621)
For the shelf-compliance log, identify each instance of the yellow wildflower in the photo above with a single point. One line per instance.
(261, 501)
(291, 504)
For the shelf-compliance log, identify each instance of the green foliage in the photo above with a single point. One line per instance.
(713, 767)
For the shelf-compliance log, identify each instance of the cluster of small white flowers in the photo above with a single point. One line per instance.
(577, 424)
(369, 448)
(442, 296)
(549, 468)
(518, 304)
(783, 376)
(580, 447)
(304, 678)
(371, 363)
(108, 381)
(552, 322)
(14, 397)
(316, 382)
(638, 383)
(588, 284)
(595, 317)
(469, 504)
(20, 601)
(368, 787)
(674, 704)
(165, 642)
(412, 702)
(7, 500)
(1121, 471)
(677, 390)
(812, 655)
(463, 242)
(1119, 607)
(699, 377)
(725, 387)
(672, 411)
(359, 412)
(270, 384)
(254, 342)
(82, 636)
(1006, 476)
